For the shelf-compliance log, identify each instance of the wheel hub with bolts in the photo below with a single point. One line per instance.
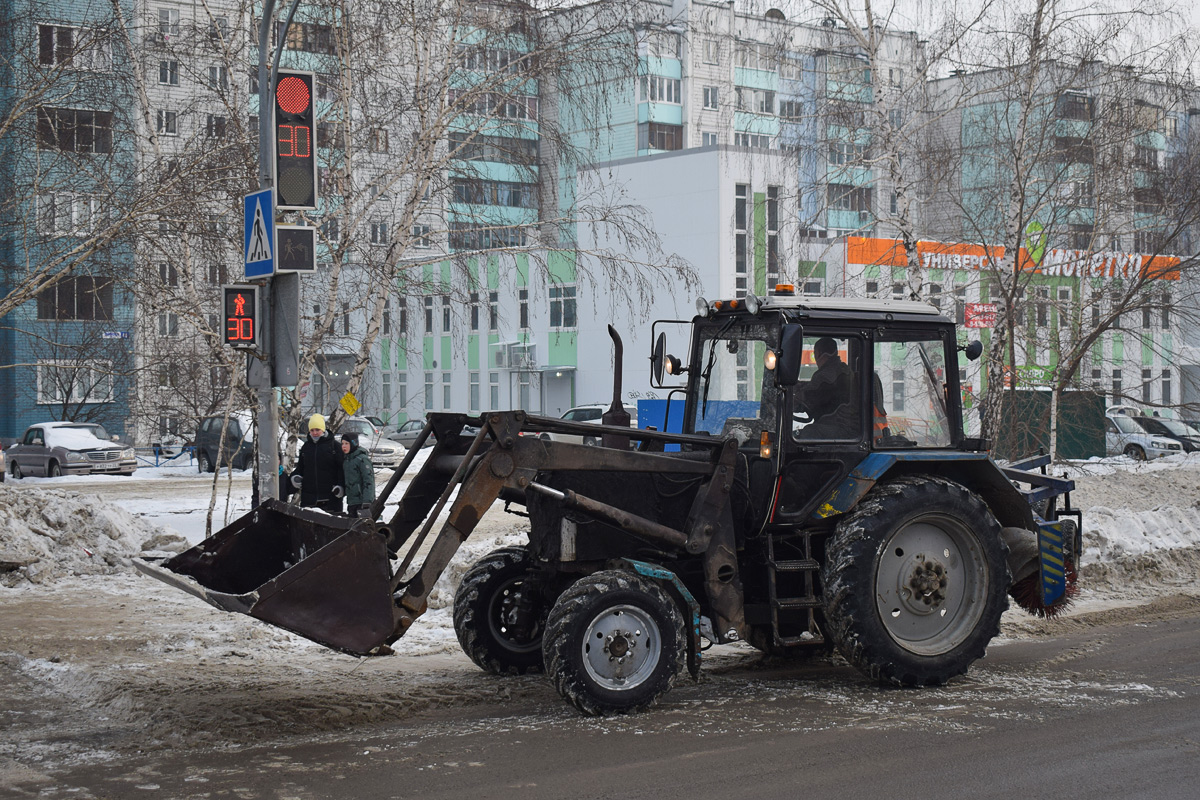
(620, 649)
(926, 586)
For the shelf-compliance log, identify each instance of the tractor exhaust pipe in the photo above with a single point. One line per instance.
(616, 414)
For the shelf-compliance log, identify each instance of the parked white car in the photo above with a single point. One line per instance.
(592, 412)
(1124, 434)
(384, 452)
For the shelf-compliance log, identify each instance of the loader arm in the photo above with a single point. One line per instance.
(331, 579)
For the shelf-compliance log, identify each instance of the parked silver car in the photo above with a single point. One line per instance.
(69, 448)
(1124, 434)
(384, 452)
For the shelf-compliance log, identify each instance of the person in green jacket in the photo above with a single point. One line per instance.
(360, 477)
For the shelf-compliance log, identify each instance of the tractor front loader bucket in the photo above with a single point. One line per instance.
(323, 577)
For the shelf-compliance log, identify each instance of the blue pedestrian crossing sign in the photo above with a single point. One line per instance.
(260, 234)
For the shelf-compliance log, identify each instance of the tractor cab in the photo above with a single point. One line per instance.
(810, 387)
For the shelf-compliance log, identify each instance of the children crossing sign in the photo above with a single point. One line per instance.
(260, 234)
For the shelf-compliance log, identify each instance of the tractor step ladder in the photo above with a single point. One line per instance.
(793, 615)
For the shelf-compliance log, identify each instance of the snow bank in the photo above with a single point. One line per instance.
(46, 534)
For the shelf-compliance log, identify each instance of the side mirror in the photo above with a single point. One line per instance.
(973, 350)
(656, 358)
(791, 351)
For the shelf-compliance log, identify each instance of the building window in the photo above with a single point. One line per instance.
(710, 98)
(310, 37)
(445, 314)
(429, 315)
(505, 149)
(562, 306)
(79, 298)
(379, 140)
(523, 307)
(960, 305)
(218, 78)
(790, 109)
(1166, 387)
(168, 73)
(168, 21)
(1147, 376)
(65, 214)
(74, 382)
(757, 101)
(385, 386)
(401, 390)
(712, 51)
(494, 390)
(428, 391)
(772, 235)
(74, 130)
(1042, 306)
(760, 140)
(446, 391)
(658, 136)
(473, 305)
(897, 390)
(473, 395)
(493, 312)
(168, 123)
(707, 139)
(379, 232)
(345, 319)
(214, 126)
(1166, 311)
(78, 48)
(741, 194)
(331, 229)
(387, 316)
(168, 274)
(168, 325)
(657, 89)
(494, 193)
(1072, 105)
(842, 197)
(1116, 385)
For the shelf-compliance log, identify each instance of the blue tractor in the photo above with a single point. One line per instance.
(818, 491)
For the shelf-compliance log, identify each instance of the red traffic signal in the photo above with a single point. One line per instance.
(239, 306)
(295, 145)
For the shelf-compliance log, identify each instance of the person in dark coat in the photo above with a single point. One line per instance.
(828, 397)
(319, 475)
(360, 476)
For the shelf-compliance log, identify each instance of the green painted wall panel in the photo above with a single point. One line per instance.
(563, 349)
(446, 361)
(561, 266)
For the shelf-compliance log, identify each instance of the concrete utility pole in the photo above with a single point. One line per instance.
(267, 441)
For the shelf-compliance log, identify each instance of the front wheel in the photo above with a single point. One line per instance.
(203, 462)
(55, 470)
(614, 643)
(1135, 452)
(916, 579)
(16, 471)
(499, 613)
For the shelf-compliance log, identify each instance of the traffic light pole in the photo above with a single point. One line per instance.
(267, 440)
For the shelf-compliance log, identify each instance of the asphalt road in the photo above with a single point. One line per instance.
(1105, 705)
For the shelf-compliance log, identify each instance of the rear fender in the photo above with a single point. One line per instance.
(976, 471)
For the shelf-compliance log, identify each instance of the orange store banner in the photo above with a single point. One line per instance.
(1067, 263)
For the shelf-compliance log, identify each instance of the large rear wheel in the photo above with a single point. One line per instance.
(916, 579)
(499, 613)
(614, 643)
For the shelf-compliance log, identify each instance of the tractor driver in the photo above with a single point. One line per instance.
(828, 396)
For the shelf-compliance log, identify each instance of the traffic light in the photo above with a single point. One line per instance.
(240, 316)
(295, 146)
